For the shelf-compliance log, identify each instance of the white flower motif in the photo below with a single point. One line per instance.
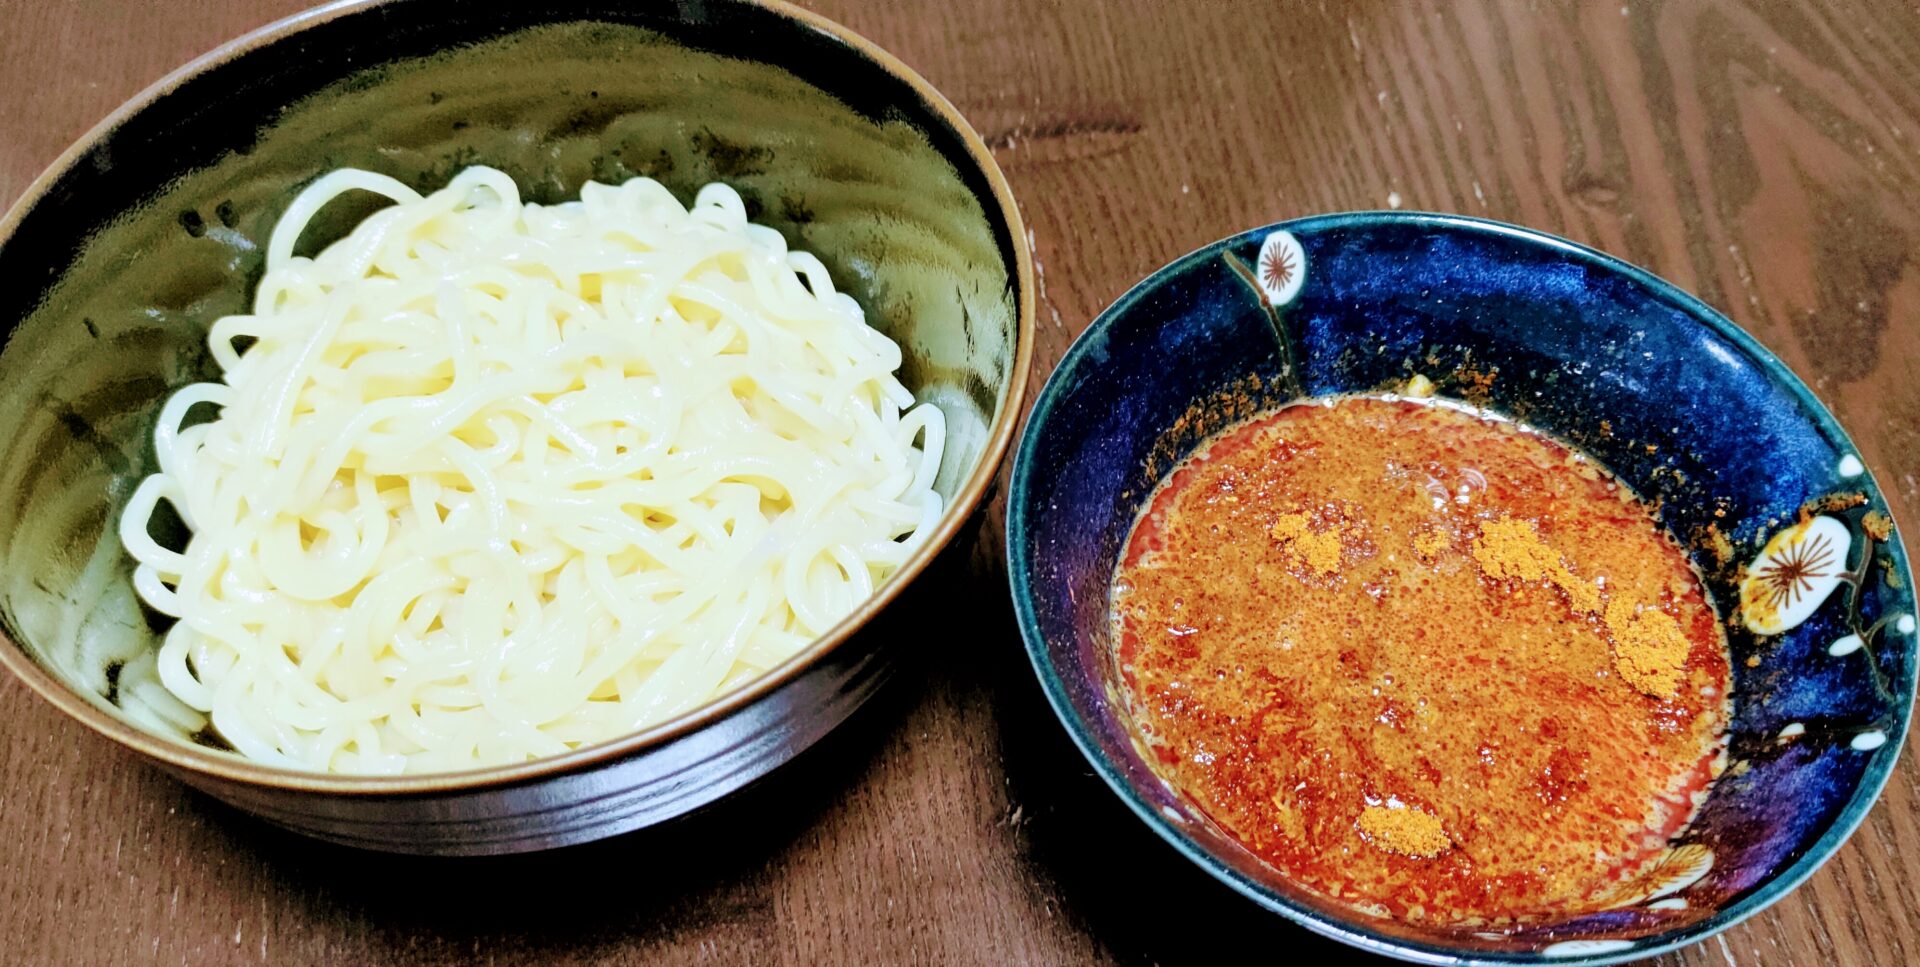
(1676, 869)
(1796, 572)
(1282, 268)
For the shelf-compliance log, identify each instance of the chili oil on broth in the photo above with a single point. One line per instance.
(1422, 660)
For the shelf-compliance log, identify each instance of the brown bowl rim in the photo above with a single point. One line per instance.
(233, 768)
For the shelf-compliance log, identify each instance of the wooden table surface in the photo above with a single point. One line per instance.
(1763, 156)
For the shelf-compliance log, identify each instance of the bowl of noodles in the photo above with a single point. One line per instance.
(452, 429)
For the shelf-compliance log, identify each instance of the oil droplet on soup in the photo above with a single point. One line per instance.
(1422, 660)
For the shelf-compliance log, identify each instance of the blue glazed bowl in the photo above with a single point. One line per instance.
(1675, 399)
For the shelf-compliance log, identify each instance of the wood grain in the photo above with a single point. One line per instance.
(1763, 156)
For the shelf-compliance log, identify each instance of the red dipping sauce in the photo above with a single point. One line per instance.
(1423, 661)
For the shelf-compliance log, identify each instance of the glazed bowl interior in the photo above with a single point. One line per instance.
(1677, 401)
(154, 226)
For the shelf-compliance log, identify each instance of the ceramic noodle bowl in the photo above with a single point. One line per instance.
(1767, 495)
(154, 226)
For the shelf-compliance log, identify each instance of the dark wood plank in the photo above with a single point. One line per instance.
(1763, 156)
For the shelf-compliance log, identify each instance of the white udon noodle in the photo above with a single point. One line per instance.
(497, 480)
